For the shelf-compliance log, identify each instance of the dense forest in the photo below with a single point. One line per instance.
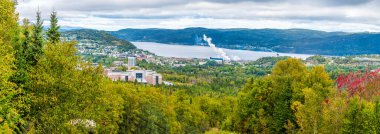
(46, 88)
(280, 40)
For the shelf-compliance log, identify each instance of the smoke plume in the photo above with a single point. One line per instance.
(219, 51)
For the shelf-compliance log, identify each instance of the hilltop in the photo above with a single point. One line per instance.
(100, 37)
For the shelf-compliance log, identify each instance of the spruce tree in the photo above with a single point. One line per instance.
(22, 56)
(53, 32)
(38, 39)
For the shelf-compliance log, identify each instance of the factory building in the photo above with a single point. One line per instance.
(217, 60)
(141, 76)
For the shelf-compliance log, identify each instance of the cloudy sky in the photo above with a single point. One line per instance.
(326, 15)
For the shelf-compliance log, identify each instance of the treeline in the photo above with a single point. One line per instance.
(199, 79)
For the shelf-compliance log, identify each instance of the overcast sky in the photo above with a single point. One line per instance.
(326, 15)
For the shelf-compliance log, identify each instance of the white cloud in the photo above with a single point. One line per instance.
(327, 15)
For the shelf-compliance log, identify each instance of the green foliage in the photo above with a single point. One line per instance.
(66, 90)
(53, 32)
(361, 117)
(23, 56)
(38, 39)
(227, 79)
(211, 63)
(69, 96)
(49, 89)
(268, 61)
(10, 119)
(275, 104)
(317, 59)
(152, 110)
(146, 110)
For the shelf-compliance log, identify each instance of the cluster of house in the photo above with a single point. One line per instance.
(141, 76)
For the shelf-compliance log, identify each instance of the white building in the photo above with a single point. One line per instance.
(131, 61)
(141, 76)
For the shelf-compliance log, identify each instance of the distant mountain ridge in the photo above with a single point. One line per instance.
(64, 28)
(302, 41)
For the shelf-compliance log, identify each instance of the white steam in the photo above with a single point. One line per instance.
(219, 51)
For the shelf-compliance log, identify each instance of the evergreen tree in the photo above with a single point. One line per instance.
(38, 39)
(53, 32)
(22, 56)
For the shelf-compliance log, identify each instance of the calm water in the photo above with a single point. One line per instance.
(182, 51)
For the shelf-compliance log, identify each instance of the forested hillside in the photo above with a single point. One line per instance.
(287, 41)
(101, 37)
(46, 88)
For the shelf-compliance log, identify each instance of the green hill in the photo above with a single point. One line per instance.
(101, 37)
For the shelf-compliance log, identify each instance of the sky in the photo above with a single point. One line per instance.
(324, 15)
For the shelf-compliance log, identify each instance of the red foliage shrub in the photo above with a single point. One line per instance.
(364, 84)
